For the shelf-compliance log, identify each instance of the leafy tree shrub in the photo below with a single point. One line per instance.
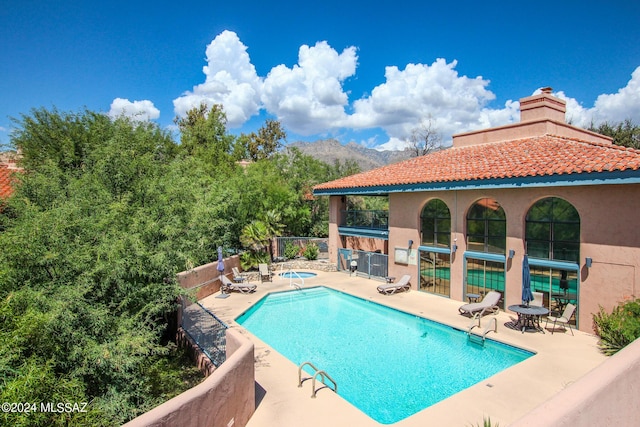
(291, 250)
(618, 329)
(104, 213)
(310, 252)
(251, 259)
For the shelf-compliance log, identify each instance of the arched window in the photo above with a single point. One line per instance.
(486, 227)
(553, 230)
(436, 224)
(435, 257)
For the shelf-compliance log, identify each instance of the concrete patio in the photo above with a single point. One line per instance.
(560, 360)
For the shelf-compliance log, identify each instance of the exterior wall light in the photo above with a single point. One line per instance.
(588, 262)
(512, 253)
(410, 243)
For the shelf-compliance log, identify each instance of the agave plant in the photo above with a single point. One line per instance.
(618, 329)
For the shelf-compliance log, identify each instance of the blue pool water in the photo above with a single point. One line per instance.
(297, 275)
(387, 363)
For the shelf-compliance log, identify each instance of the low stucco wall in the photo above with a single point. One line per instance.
(204, 278)
(225, 398)
(607, 396)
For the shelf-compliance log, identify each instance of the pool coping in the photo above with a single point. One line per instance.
(560, 359)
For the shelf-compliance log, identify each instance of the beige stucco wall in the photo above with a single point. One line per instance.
(526, 130)
(606, 396)
(336, 206)
(609, 235)
(205, 278)
(225, 398)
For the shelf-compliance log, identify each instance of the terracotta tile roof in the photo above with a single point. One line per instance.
(529, 157)
(5, 181)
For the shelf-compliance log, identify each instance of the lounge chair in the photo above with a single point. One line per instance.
(489, 304)
(564, 319)
(237, 276)
(392, 288)
(228, 285)
(265, 273)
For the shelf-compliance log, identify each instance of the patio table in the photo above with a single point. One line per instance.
(529, 316)
(562, 299)
(473, 297)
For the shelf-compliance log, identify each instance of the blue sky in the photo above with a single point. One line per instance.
(355, 71)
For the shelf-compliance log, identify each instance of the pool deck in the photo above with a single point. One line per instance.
(505, 397)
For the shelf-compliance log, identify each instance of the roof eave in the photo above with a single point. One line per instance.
(557, 180)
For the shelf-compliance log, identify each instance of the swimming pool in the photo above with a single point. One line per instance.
(387, 363)
(297, 275)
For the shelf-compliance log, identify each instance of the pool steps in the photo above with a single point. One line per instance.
(493, 326)
(318, 373)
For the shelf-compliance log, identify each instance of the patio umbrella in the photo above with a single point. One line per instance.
(527, 296)
(220, 267)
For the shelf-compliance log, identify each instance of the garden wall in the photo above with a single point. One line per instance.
(205, 278)
(225, 398)
(606, 396)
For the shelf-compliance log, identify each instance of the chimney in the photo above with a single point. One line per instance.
(543, 106)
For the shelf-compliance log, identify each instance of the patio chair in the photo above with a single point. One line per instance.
(489, 304)
(401, 285)
(237, 276)
(228, 285)
(265, 273)
(564, 319)
(538, 298)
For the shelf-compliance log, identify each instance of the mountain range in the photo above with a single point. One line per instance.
(330, 150)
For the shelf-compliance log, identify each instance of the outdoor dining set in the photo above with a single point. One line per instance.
(530, 311)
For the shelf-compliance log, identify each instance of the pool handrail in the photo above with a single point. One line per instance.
(323, 374)
(487, 329)
(291, 273)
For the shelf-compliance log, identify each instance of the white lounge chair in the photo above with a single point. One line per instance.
(392, 288)
(237, 276)
(265, 273)
(489, 304)
(564, 319)
(228, 285)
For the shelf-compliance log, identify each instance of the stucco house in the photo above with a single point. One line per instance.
(461, 220)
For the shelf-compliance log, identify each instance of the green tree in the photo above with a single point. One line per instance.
(203, 134)
(265, 143)
(626, 133)
(255, 238)
(89, 250)
(64, 140)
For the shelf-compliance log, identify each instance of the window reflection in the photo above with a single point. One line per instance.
(553, 230)
(486, 227)
(436, 224)
(435, 273)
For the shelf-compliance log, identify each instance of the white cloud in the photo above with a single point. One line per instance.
(612, 108)
(308, 98)
(392, 144)
(454, 103)
(136, 110)
(231, 80)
